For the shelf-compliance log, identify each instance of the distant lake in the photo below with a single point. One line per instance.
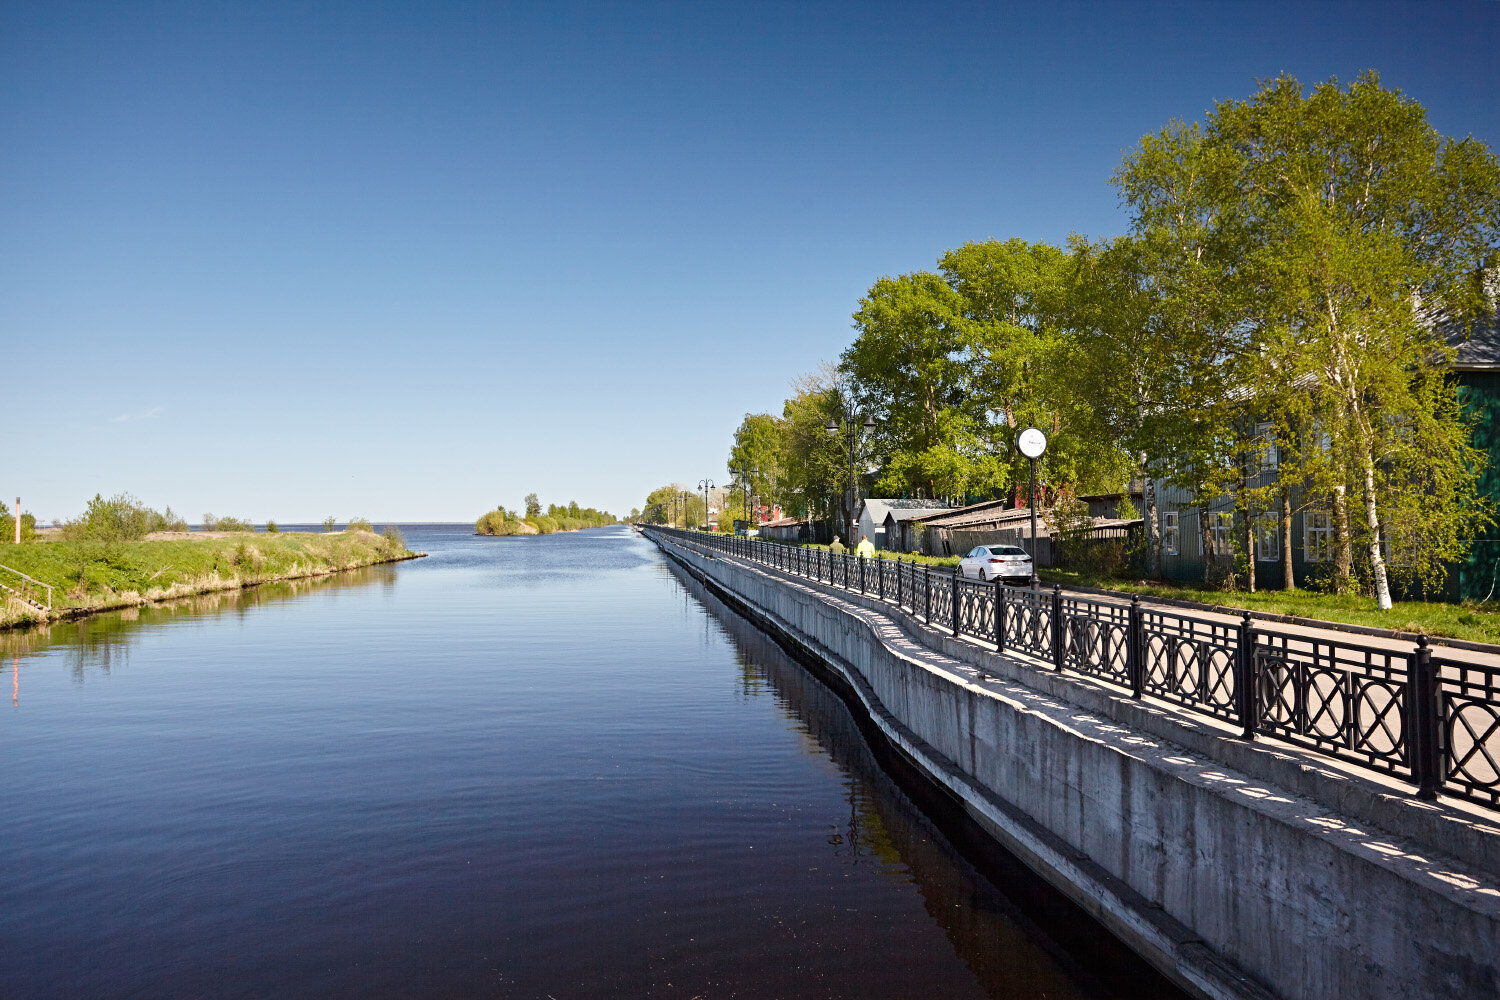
(521, 767)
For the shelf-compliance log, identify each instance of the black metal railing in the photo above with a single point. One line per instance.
(1424, 716)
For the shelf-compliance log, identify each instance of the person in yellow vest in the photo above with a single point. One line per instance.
(864, 549)
(837, 547)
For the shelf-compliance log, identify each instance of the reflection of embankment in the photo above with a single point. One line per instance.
(101, 641)
(1018, 936)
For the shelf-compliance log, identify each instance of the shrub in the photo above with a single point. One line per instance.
(271, 527)
(168, 520)
(359, 524)
(121, 518)
(395, 543)
(329, 523)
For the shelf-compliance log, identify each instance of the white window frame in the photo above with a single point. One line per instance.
(1267, 454)
(1171, 538)
(1267, 538)
(1220, 531)
(1317, 536)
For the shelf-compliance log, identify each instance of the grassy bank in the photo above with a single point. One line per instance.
(89, 576)
(1470, 622)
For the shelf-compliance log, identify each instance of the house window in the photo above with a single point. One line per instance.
(1267, 538)
(1317, 536)
(1219, 527)
(1169, 533)
(1266, 457)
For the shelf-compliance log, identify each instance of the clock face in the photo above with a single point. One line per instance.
(1032, 442)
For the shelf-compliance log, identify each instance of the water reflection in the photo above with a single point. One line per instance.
(1025, 944)
(101, 643)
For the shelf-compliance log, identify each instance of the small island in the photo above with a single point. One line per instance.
(534, 522)
(120, 554)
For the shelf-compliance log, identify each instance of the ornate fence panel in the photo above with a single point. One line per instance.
(942, 597)
(976, 609)
(1096, 639)
(1469, 697)
(1343, 699)
(1028, 622)
(1190, 661)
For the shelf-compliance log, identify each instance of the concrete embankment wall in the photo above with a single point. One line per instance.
(1233, 885)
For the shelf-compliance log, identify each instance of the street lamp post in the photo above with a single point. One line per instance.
(851, 432)
(705, 485)
(746, 476)
(1032, 443)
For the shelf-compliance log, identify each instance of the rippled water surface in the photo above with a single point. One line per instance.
(520, 767)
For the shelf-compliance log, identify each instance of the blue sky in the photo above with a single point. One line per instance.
(411, 260)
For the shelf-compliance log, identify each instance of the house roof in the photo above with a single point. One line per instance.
(1477, 346)
(903, 510)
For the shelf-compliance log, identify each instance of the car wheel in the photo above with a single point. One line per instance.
(982, 578)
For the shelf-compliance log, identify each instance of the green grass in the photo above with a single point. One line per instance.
(97, 575)
(1471, 622)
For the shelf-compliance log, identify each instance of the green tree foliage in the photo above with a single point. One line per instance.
(533, 506)
(911, 368)
(758, 447)
(674, 504)
(958, 363)
(1319, 236)
(1294, 264)
(815, 466)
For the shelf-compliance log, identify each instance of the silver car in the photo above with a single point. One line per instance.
(988, 562)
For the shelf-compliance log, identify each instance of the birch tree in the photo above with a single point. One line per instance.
(1360, 228)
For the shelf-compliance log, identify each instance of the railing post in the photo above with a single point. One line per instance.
(898, 581)
(999, 615)
(1057, 627)
(880, 577)
(927, 594)
(1244, 679)
(1425, 723)
(1135, 659)
(956, 616)
(861, 575)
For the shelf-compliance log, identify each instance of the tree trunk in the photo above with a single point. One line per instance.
(1372, 520)
(1288, 579)
(1206, 543)
(1153, 523)
(1343, 541)
(1249, 549)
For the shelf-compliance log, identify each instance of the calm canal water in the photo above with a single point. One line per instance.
(536, 767)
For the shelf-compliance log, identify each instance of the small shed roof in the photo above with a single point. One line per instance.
(903, 510)
(978, 515)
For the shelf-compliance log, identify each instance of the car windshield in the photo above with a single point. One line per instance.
(1006, 550)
